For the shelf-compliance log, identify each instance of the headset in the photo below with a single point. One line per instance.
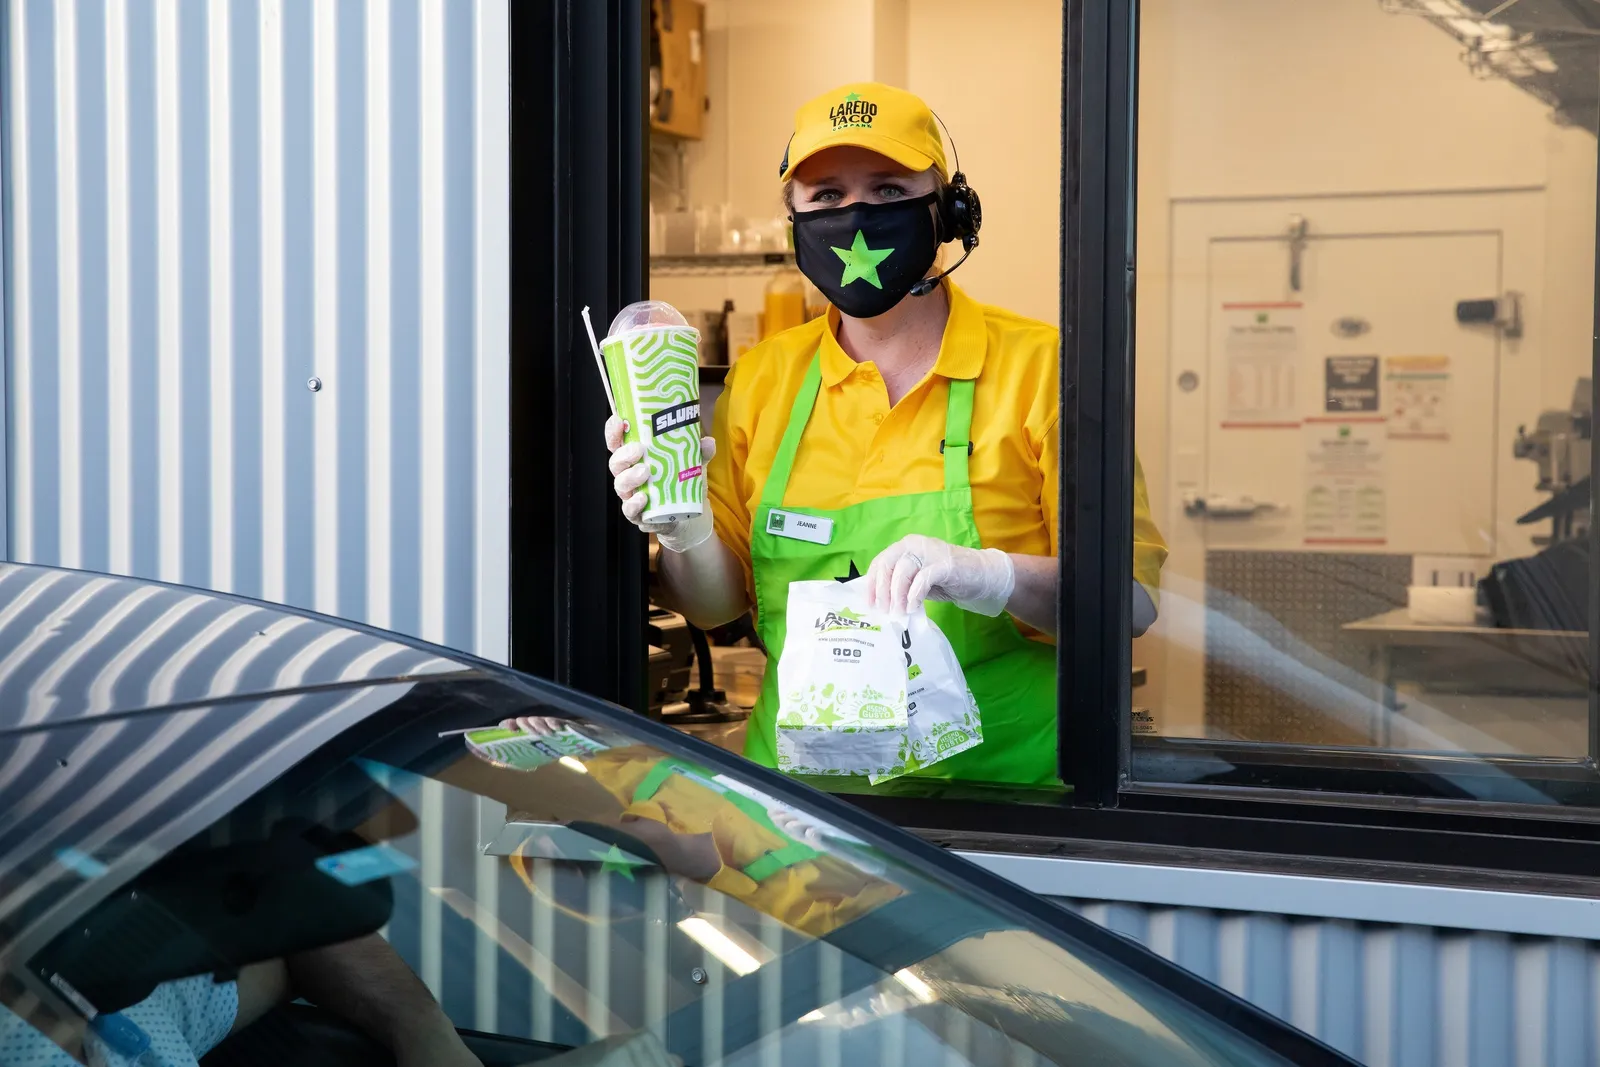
(960, 216)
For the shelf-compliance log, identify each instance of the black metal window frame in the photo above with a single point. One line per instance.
(579, 203)
(1108, 767)
(579, 200)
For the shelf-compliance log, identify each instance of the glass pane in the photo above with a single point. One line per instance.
(562, 886)
(1366, 236)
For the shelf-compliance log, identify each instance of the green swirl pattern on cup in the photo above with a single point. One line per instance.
(655, 377)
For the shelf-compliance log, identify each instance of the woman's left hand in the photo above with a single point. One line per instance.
(917, 568)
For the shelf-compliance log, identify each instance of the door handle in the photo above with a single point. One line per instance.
(1225, 507)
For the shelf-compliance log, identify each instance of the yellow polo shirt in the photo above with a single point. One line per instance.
(857, 447)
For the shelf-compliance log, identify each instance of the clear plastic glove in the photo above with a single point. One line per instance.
(916, 568)
(792, 825)
(537, 725)
(630, 472)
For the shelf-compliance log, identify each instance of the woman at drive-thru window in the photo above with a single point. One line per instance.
(912, 427)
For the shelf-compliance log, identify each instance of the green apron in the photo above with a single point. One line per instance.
(1013, 678)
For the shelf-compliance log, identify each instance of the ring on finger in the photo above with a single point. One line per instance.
(915, 559)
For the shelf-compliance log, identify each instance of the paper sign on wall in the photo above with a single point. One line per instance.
(1346, 487)
(1261, 348)
(1419, 397)
(1350, 384)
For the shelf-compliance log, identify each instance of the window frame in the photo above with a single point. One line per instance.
(579, 201)
(1100, 218)
(1094, 635)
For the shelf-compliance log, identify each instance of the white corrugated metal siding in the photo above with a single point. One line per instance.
(1390, 996)
(209, 205)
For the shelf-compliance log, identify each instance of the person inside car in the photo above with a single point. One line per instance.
(362, 981)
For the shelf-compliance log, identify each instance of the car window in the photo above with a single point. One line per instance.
(563, 885)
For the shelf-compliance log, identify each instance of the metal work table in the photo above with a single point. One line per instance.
(1521, 662)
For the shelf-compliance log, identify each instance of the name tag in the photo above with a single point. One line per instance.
(799, 527)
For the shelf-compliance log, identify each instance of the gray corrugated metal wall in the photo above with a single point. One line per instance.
(208, 205)
(1391, 996)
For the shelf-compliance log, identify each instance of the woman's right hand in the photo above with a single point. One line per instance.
(630, 472)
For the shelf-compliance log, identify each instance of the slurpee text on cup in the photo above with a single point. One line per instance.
(653, 363)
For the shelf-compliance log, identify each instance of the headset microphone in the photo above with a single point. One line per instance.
(928, 285)
(960, 216)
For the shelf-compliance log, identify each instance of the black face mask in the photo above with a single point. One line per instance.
(866, 257)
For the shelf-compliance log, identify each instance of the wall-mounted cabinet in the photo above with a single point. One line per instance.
(678, 67)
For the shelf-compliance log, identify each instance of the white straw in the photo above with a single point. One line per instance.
(600, 362)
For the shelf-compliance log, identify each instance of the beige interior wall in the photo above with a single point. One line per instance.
(764, 59)
(993, 74)
(1263, 98)
(891, 28)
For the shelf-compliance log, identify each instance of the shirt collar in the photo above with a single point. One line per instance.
(961, 351)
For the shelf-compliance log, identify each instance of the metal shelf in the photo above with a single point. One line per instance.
(718, 264)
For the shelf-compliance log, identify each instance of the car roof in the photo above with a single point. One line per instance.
(76, 645)
(130, 709)
(85, 806)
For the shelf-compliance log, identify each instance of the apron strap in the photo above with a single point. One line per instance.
(771, 863)
(652, 782)
(768, 863)
(805, 401)
(958, 434)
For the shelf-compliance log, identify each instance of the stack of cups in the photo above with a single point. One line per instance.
(651, 367)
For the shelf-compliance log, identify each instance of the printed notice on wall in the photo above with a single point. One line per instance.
(1419, 397)
(1350, 383)
(1261, 349)
(1346, 490)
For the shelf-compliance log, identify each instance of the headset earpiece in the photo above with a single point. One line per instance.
(960, 216)
(960, 213)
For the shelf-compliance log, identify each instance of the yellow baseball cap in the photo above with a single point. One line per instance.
(879, 118)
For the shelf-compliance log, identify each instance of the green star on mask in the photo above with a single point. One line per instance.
(861, 261)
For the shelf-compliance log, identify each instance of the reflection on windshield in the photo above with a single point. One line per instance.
(568, 893)
(634, 800)
(727, 921)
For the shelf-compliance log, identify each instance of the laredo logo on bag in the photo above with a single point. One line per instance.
(863, 692)
(844, 619)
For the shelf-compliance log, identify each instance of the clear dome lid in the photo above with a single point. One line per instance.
(646, 313)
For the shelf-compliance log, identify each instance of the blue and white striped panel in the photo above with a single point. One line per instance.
(121, 793)
(212, 203)
(74, 644)
(1386, 994)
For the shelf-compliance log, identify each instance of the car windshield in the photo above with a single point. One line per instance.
(571, 887)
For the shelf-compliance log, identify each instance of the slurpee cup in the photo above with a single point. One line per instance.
(652, 363)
